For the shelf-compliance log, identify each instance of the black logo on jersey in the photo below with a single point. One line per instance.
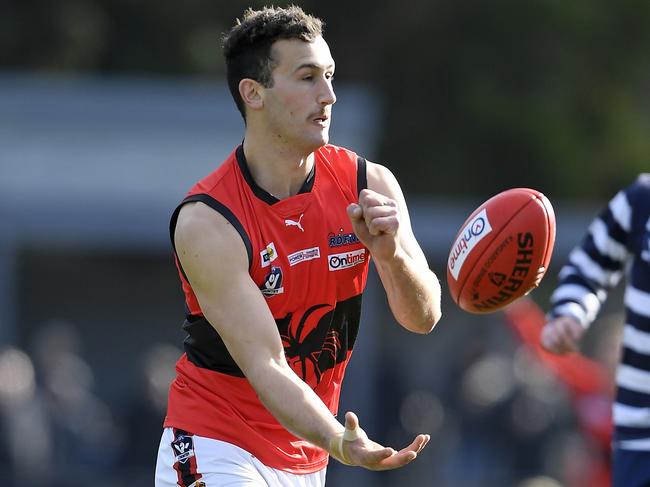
(340, 239)
(273, 283)
(332, 334)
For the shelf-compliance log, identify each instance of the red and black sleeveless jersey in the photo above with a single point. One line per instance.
(311, 269)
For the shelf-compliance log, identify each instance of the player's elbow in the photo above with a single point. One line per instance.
(424, 324)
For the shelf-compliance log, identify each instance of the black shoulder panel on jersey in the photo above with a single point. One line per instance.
(362, 179)
(223, 210)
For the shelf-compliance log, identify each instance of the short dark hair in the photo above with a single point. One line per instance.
(247, 46)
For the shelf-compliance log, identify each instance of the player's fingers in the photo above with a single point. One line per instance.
(397, 460)
(551, 340)
(567, 345)
(405, 455)
(355, 212)
(388, 225)
(421, 443)
(379, 211)
(570, 328)
(378, 217)
(369, 198)
(417, 444)
(375, 459)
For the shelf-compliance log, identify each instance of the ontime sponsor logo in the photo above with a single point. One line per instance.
(475, 230)
(336, 262)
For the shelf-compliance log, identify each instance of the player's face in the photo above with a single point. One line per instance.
(298, 107)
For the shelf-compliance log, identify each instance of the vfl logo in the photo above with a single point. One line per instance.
(268, 255)
(183, 448)
(273, 283)
(290, 223)
(477, 228)
(303, 255)
(336, 262)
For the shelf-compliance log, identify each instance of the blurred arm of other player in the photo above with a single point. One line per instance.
(215, 261)
(562, 335)
(594, 267)
(381, 221)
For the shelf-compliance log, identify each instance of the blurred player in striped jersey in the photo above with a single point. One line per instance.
(617, 242)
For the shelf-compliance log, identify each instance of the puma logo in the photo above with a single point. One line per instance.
(294, 223)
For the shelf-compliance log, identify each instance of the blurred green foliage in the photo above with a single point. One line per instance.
(478, 96)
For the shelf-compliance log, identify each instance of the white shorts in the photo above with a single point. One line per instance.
(196, 461)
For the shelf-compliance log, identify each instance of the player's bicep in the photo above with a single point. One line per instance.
(382, 180)
(215, 262)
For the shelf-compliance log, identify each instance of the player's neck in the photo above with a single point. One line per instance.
(279, 170)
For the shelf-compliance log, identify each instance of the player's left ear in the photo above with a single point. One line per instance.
(250, 92)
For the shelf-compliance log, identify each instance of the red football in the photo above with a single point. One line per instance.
(502, 250)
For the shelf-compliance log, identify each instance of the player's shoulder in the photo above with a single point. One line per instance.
(639, 191)
(194, 217)
(337, 154)
(635, 200)
(643, 180)
(203, 233)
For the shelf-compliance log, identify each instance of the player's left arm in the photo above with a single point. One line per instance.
(382, 223)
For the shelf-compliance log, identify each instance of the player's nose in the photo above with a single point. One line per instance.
(327, 95)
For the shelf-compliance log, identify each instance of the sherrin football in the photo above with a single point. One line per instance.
(502, 250)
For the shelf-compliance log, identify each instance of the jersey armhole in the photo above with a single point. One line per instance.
(224, 211)
(362, 178)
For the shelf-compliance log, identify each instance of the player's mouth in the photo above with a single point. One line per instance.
(322, 119)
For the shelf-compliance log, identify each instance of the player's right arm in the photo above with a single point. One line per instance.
(215, 262)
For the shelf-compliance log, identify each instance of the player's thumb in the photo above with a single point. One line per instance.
(355, 212)
(352, 429)
(351, 421)
(545, 338)
(550, 340)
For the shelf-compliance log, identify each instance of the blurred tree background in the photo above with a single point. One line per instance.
(479, 96)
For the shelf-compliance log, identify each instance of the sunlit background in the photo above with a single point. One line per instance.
(111, 109)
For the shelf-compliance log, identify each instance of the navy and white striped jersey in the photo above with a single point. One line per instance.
(616, 244)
